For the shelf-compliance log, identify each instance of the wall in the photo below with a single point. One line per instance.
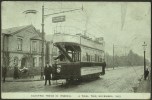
(25, 35)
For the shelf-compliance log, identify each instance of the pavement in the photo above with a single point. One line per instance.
(38, 77)
(144, 86)
(35, 78)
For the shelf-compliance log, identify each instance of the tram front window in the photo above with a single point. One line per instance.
(73, 52)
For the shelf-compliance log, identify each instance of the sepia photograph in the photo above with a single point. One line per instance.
(75, 50)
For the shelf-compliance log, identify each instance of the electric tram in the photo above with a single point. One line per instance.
(77, 57)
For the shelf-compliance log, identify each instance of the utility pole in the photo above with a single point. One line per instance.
(113, 56)
(43, 34)
(144, 46)
(43, 40)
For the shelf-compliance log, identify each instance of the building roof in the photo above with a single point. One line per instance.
(36, 38)
(15, 29)
(10, 31)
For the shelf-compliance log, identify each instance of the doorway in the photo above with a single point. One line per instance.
(23, 62)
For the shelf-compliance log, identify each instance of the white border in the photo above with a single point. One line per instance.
(75, 95)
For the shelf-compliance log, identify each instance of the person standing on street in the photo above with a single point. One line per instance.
(4, 71)
(104, 65)
(16, 72)
(146, 74)
(47, 73)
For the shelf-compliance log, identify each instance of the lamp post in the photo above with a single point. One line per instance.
(43, 38)
(144, 47)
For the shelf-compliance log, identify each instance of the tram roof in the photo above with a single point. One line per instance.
(77, 40)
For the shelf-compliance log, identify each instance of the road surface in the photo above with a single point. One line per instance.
(119, 80)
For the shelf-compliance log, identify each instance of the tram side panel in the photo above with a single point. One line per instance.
(91, 69)
(74, 71)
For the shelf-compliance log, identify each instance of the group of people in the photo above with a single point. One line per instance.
(16, 74)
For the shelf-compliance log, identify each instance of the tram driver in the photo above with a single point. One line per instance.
(61, 57)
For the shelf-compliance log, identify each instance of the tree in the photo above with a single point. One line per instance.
(132, 59)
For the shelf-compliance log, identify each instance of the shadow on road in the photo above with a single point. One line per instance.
(76, 83)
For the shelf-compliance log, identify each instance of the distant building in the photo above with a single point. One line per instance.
(21, 46)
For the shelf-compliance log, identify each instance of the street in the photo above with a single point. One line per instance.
(119, 80)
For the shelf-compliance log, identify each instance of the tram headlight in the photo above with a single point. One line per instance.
(58, 68)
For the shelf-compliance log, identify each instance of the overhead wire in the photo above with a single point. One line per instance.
(123, 13)
(95, 27)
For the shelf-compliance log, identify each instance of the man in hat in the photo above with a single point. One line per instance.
(47, 73)
(104, 65)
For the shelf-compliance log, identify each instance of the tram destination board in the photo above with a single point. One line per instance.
(58, 19)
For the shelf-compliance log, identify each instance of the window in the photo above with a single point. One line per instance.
(40, 61)
(92, 58)
(77, 56)
(34, 46)
(88, 57)
(74, 54)
(96, 58)
(16, 60)
(100, 59)
(19, 44)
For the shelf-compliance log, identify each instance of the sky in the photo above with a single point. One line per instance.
(126, 25)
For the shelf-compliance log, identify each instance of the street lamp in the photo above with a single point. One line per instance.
(144, 47)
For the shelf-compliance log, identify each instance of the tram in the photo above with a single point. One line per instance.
(77, 57)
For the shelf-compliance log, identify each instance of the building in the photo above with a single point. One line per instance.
(21, 46)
